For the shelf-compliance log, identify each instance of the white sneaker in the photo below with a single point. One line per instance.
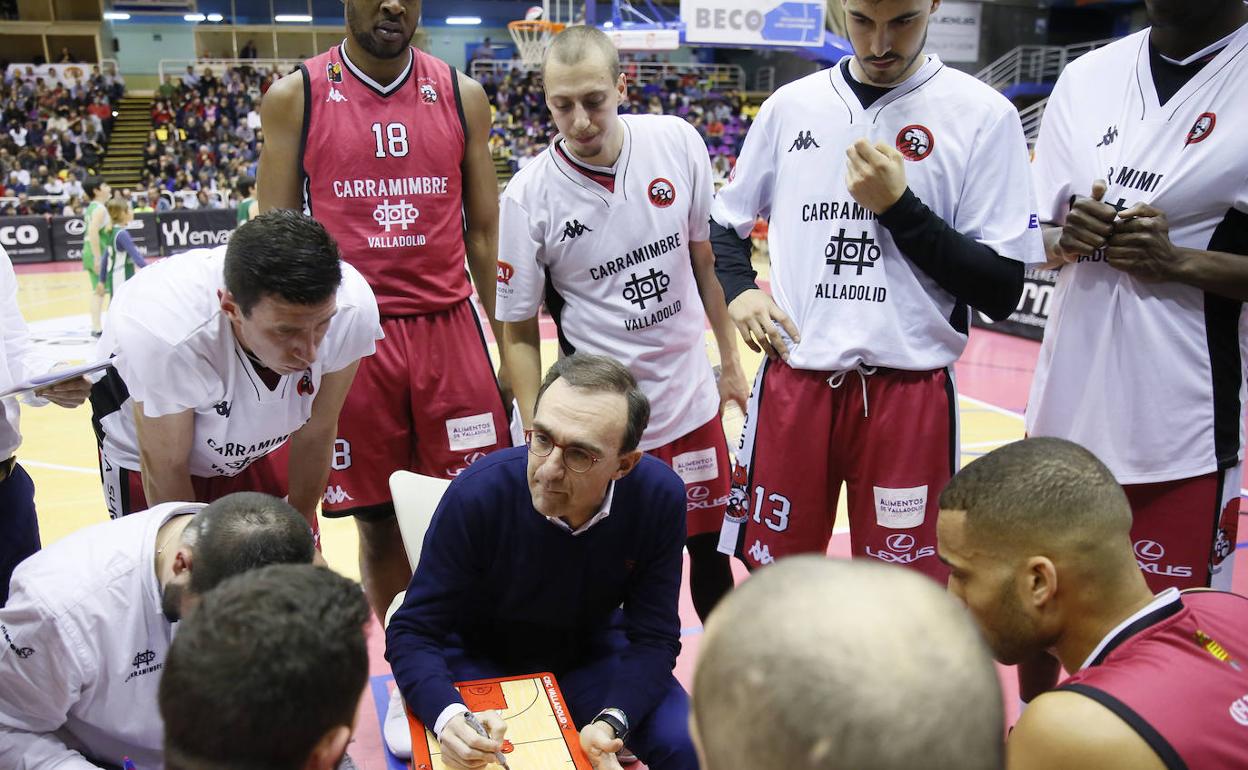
(395, 730)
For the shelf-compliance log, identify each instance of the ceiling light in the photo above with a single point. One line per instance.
(292, 17)
(463, 21)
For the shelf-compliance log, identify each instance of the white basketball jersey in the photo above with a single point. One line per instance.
(176, 351)
(856, 299)
(1148, 376)
(611, 255)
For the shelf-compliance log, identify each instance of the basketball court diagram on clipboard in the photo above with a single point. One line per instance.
(540, 731)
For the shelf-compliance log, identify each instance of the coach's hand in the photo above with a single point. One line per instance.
(1141, 245)
(600, 744)
(759, 320)
(68, 394)
(1088, 226)
(464, 749)
(875, 176)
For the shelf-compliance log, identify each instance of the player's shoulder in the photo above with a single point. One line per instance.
(174, 297)
(528, 184)
(1108, 57)
(965, 91)
(354, 290)
(644, 126)
(1071, 730)
(797, 92)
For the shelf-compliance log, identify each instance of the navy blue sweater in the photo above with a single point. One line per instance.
(498, 578)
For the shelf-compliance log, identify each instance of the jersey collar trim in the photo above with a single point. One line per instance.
(588, 177)
(1165, 604)
(1235, 45)
(836, 79)
(373, 84)
(602, 176)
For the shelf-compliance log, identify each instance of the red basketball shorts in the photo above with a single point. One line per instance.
(426, 401)
(890, 436)
(700, 458)
(1185, 531)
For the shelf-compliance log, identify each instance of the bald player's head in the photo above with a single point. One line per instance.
(1015, 520)
(822, 664)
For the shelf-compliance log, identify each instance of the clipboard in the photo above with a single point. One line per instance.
(52, 378)
(540, 731)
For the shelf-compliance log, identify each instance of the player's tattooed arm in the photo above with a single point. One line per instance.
(278, 183)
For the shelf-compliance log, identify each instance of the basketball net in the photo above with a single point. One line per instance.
(532, 38)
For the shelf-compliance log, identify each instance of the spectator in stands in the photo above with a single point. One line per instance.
(248, 51)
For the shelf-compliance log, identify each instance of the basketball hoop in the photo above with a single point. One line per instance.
(532, 37)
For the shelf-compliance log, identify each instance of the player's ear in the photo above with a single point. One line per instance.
(229, 305)
(935, 5)
(621, 85)
(329, 750)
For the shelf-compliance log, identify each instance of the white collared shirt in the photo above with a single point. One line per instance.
(604, 511)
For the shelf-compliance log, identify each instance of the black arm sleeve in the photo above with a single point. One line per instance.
(732, 261)
(962, 266)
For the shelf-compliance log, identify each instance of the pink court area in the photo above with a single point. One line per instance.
(996, 370)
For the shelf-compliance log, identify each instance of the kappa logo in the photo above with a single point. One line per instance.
(222, 408)
(505, 272)
(399, 214)
(915, 142)
(760, 553)
(428, 93)
(651, 286)
(1111, 134)
(336, 495)
(1202, 128)
(306, 386)
(143, 658)
(804, 141)
(335, 96)
(574, 229)
(662, 193)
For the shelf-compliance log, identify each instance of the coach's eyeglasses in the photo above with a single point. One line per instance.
(575, 459)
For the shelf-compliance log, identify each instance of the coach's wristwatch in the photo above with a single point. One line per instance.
(615, 719)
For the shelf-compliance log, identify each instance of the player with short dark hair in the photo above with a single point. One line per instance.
(267, 673)
(387, 146)
(861, 666)
(609, 228)
(898, 199)
(1037, 536)
(221, 356)
(91, 617)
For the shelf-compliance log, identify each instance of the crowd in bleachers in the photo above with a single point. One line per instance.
(54, 136)
(206, 133)
(523, 126)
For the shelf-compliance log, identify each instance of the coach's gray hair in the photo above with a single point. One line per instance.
(818, 664)
(574, 43)
(604, 374)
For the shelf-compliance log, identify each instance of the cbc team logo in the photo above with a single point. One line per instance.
(1202, 128)
(662, 193)
(428, 94)
(915, 142)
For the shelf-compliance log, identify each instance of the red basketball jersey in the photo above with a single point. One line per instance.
(1179, 676)
(381, 169)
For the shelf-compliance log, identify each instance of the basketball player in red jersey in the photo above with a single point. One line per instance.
(1037, 537)
(386, 147)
